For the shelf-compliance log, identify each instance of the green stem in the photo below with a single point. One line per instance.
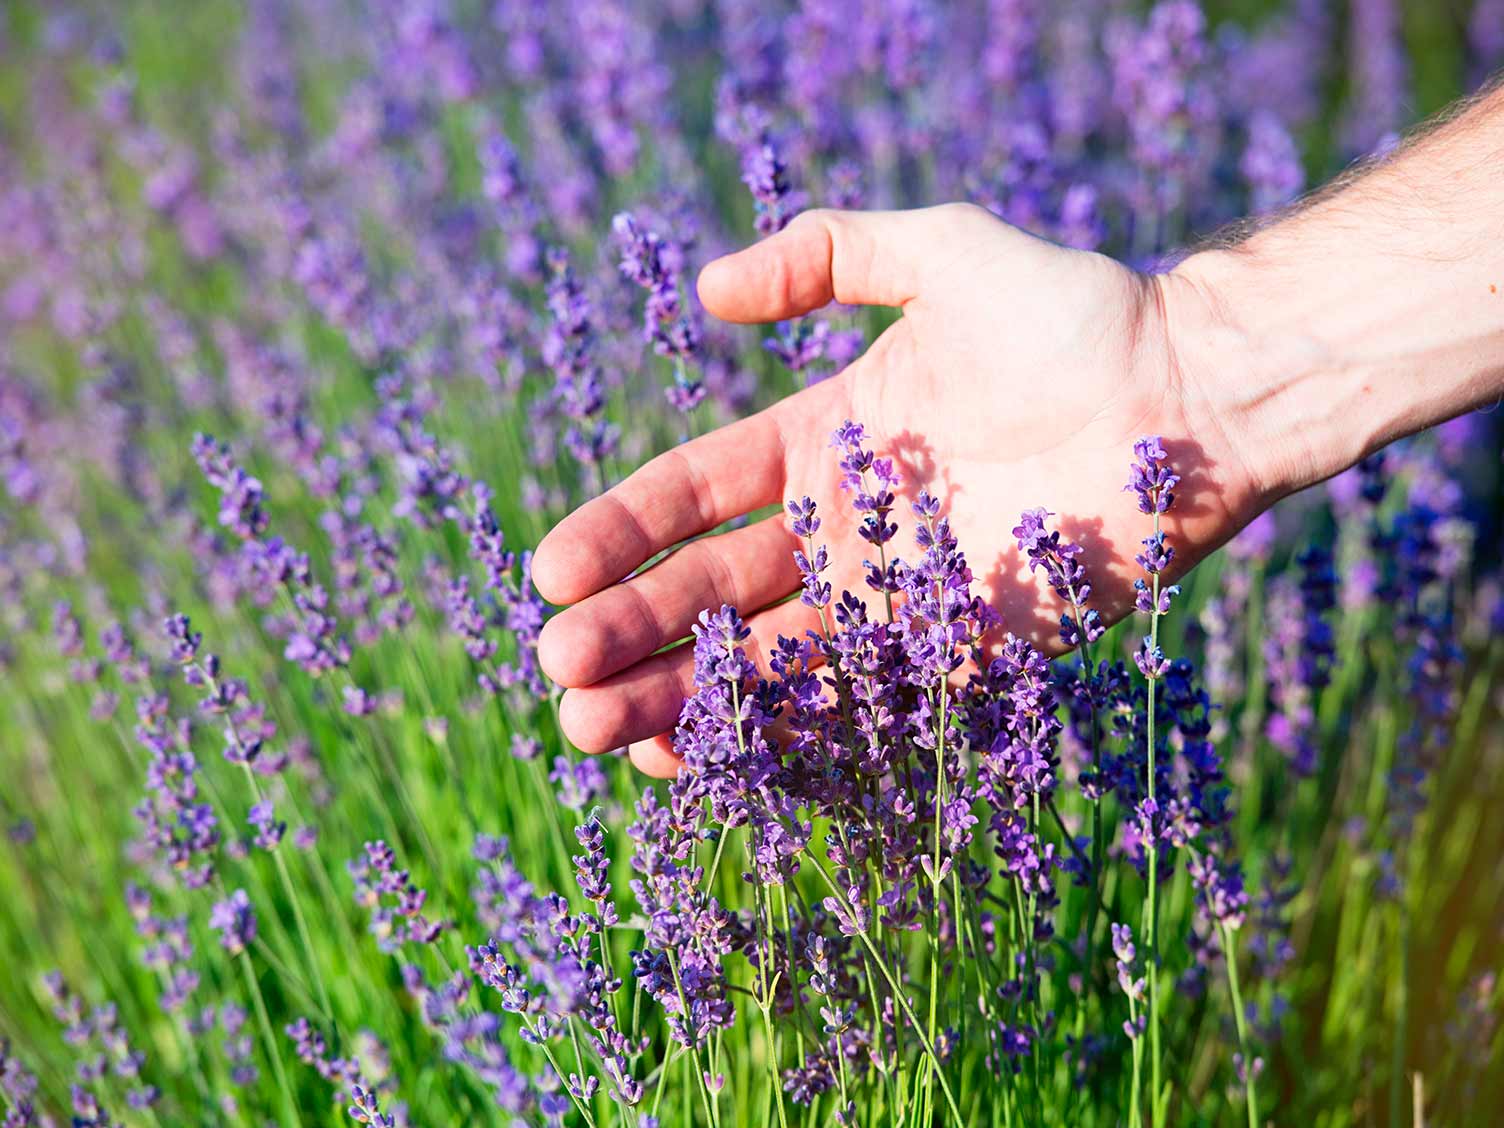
(1230, 957)
(1402, 1013)
(929, 1050)
(1156, 1105)
(554, 1062)
(289, 890)
(289, 1105)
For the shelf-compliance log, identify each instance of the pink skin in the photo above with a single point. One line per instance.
(1019, 375)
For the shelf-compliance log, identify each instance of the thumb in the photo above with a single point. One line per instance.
(854, 257)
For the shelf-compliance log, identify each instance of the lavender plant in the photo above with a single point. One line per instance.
(291, 831)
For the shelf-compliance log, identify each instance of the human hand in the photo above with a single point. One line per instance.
(1019, 375)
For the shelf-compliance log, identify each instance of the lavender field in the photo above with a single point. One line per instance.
(317, 315)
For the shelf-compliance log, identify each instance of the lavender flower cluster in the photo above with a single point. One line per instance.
(429, 267)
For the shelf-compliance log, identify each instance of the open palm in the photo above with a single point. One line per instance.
(1018, 376)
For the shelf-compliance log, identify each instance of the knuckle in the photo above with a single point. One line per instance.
(963, 214)
(814, 217)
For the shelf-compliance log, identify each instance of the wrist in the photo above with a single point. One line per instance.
(1291, 406)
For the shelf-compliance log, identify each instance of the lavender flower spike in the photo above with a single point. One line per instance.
(1150, 477)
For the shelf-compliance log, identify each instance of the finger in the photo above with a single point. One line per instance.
(645, 701)
(748, 568)
(655, 757)
(685, 491)
(856, 257)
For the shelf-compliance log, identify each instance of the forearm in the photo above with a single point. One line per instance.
(1375, 310)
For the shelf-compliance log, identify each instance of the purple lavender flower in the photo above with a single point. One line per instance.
(803, 343)
(120, 652)
(235, 921)
(1299, 651)
(1220, 888)
(1157, 554)
(1485, 33)
(766, 176)
(311, 631)
(514, 606)
(591, 869)
(183, 639)
(1062, 568)
(568, 348)
(1380, 79)
(1078, 220)
(581, 784)
(238, 1046)
(621, 82)
(504, 186)
(812, 561)
(1150, 476)
(269, 831)
(396, 903)
(1125, 953)
(181, 829)
(1162, 88)
(19, 1085)
(872, 480)
(240, 507)
(669, 324)
(365, 1108)
(1270, 164)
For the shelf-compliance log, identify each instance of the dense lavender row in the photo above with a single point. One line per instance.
(316, 315)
